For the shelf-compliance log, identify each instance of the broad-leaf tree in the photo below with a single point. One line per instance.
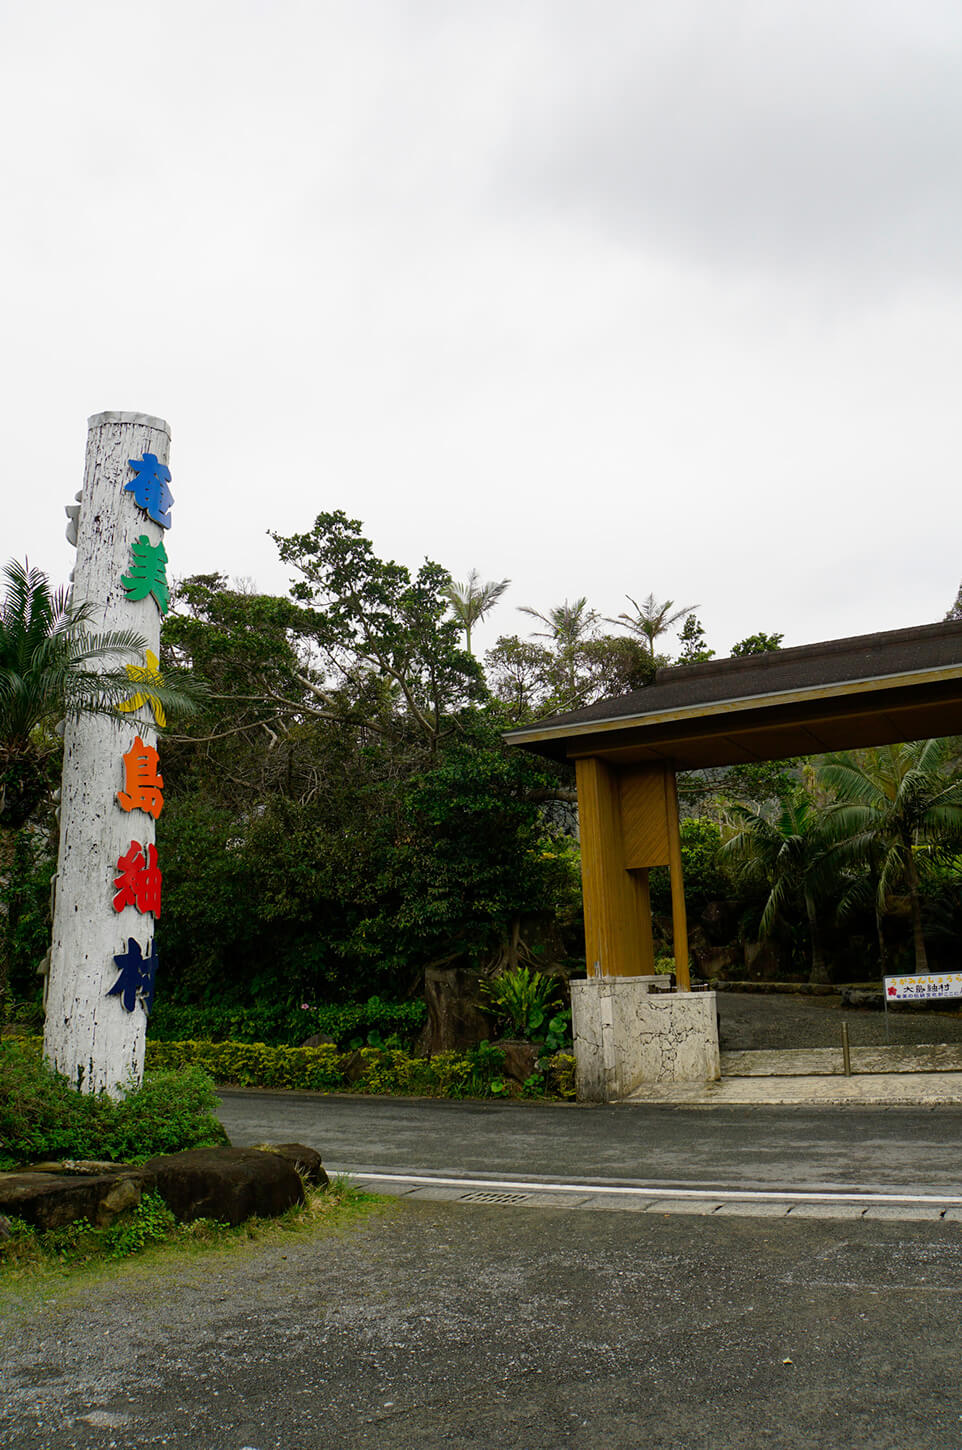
(757, 644)
(376, 627)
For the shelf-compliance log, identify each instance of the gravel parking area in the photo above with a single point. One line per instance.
(443, 1327)
(785, 1020)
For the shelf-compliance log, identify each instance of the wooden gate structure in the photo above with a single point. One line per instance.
(875, 689)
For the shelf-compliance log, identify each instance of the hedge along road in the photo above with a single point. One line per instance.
(911, 1150)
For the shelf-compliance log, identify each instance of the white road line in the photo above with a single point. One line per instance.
(661, 1191)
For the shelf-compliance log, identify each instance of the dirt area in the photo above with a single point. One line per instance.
(749, 1021)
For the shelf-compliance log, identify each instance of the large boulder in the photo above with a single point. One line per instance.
(520, 1058)
(50, 1200)
(226, 1184)
(305, 1161)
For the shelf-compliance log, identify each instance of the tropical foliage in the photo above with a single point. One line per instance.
(897, 811)
(344, 815)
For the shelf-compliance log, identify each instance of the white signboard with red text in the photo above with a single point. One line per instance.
(923, 988)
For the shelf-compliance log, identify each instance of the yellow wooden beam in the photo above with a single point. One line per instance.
(629, 823)
(679, 921)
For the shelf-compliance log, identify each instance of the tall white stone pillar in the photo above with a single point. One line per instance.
(107, 896)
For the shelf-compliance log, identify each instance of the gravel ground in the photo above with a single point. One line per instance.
(783, 1020)
(452, 1326)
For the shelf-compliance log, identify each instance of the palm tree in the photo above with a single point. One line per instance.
(569, 628)
(568, 624)
(472, 600)
(50, 665)
(651, 619)
(893, 806)
(788, 855)
(53, 665)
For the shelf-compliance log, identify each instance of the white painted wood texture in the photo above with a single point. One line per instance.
(90, 1037)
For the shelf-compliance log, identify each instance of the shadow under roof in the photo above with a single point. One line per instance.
(841, 694)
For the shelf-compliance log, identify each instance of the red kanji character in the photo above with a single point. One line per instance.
(145, 788)
(139, 881)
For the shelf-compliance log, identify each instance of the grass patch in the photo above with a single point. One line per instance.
(150, 1234)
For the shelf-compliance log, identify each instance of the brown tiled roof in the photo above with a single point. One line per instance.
(881, 667)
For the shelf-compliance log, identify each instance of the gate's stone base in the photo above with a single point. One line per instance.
(626, 1035)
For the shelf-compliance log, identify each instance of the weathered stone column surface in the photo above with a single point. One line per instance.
(89, 1036)
(625, 1034)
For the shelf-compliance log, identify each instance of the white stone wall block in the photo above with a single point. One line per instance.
(625, 1034)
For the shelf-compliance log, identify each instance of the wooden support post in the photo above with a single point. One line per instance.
(615, 899)
(629, 823)
(679, 921)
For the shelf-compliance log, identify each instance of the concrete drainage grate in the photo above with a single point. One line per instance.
(492, 1196)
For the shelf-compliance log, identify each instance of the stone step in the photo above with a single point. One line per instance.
(827, 1061)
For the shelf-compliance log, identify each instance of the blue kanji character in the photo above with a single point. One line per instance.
(137, 975)
(149, 488)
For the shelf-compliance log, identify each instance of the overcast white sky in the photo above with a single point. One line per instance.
(605, 296)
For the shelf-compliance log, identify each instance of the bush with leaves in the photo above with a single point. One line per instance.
(528, 1003)
(478, 1072)
(350, 1024)
(42, 1116)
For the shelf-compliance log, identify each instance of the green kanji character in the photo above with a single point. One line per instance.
(148, 573)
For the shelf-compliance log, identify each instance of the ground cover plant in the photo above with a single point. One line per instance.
(150, 1233)
(43, 1117)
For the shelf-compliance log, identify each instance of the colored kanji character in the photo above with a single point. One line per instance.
(139, 881)
(137, 976)
(144, 786)
(149, 674)
(148, 573)
(149, 488)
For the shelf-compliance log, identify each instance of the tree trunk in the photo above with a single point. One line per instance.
(918, 936)
(513, 941)
(8, 855)
(820, 973)
(455, 1017)
(883, 951)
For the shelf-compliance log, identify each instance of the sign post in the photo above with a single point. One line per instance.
(108, 896)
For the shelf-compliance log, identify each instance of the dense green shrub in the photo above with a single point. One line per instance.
(42, 1116)
(351, 1024)
(25, 913)
(253, 1064)
(475, 1073)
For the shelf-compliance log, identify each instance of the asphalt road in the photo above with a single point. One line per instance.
(437, 1325)
(875, 1149)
